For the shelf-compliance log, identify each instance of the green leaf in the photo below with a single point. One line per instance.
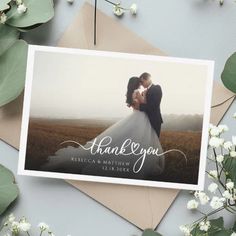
(12, 67)
(229, 164)
(228, 75)
(223, 232)
(216, 229)
(217, 226)
(150, 232)
(8, 189)
(8, 36)
(234, 227)
(4, 5)
(37, 12)
(25, 29)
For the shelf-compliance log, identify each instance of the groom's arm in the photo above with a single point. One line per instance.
(155, 100)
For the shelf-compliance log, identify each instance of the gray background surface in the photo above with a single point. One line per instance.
(183, 28)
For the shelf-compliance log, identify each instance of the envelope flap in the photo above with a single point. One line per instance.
(142, 206)
(111, 34)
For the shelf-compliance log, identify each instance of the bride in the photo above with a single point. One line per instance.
(128, 149)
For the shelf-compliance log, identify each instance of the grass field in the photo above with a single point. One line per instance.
(44, 137)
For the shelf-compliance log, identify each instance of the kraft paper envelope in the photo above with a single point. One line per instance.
(142, 206)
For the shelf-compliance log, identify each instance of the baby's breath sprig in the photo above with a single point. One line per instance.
(222, 189)
(119, 10)
(15, 228)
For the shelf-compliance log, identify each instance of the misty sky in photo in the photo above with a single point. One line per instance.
(83, 86)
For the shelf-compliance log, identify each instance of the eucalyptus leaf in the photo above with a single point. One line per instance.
(228, 75)
(37, 12)
(4, 5)
(8, 189)
(150, 232)
(12, 67)
(229, 164)
(25, 29)
(8, 36)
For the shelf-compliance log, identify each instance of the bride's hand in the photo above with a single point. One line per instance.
(140, 97)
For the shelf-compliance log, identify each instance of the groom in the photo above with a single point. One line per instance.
(153, 100)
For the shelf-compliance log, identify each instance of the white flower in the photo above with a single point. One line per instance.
(215, 131)
(234, 115)
(219, 158)
(233, 234)
(133, 9)
(21, 8)
(15, 227)
(227, 195)
(228, 145)
(43, 227)
(24, 226)
(230, 185)
(70, 1)
(185, 230)
(234, 140)
(213, 174)
(117, 10)
(3, 18)
(216, 142)
(203, 198)
(217, 202)
(223, 128)
(232, 154)
(204, 225)
(192, 204)
(18, 2)
(212, 187)
(11, 218)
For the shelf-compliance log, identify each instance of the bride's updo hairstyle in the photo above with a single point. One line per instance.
(134, 83)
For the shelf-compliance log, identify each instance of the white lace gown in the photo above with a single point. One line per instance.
(135, 127)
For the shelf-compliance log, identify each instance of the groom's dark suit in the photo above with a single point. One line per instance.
(152, 107)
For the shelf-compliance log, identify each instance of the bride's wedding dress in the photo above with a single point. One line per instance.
(128, 149)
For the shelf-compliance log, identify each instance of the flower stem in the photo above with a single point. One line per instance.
(95, 23)
(217, 169)
(201, 212)
(219, 104)
(111, 2)
(115, 4)
(209, 214)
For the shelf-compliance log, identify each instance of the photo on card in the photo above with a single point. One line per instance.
(116, 117)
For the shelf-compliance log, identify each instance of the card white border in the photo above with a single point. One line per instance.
(26, 110)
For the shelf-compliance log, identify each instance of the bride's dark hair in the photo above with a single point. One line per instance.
(134, 83)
